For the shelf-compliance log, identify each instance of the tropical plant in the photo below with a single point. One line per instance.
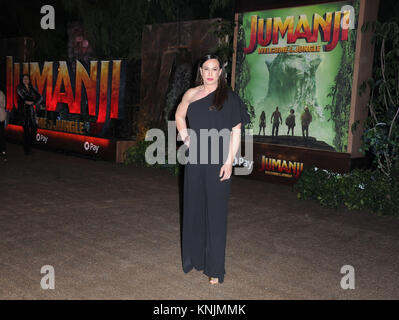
(381, 135)
(135, 155)
(358, 190)
(21, 19)
(114, 28)
(243, 72)
(224, 32)
(341, 92)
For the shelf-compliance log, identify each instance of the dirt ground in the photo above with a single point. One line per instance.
(113, 232)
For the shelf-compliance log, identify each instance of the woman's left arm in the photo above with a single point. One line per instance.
(2, 100)
(235, 140)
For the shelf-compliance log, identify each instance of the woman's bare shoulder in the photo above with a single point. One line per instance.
(190, 94)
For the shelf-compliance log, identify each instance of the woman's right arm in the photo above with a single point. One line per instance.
(22, 95)
(181, 113)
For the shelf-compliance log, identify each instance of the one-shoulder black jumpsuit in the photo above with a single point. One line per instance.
(205, 196)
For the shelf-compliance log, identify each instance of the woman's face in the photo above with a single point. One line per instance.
(211, 71)
(25, 80)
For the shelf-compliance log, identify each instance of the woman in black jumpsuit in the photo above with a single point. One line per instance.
(28, 97)
(205, 195)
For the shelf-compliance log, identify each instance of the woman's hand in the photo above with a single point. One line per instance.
(187, 141)
(29, 102)
(225, 171)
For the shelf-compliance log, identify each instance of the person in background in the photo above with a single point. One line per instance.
(28, 97)
(3, 154)
(262, 122)
(276, 120)
(306, 119)
(290, 122)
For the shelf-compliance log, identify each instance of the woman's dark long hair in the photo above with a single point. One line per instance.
(221, 91)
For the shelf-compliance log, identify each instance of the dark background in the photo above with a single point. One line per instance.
(116, 36)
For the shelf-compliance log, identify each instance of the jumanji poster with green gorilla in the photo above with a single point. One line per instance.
(296, 65)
